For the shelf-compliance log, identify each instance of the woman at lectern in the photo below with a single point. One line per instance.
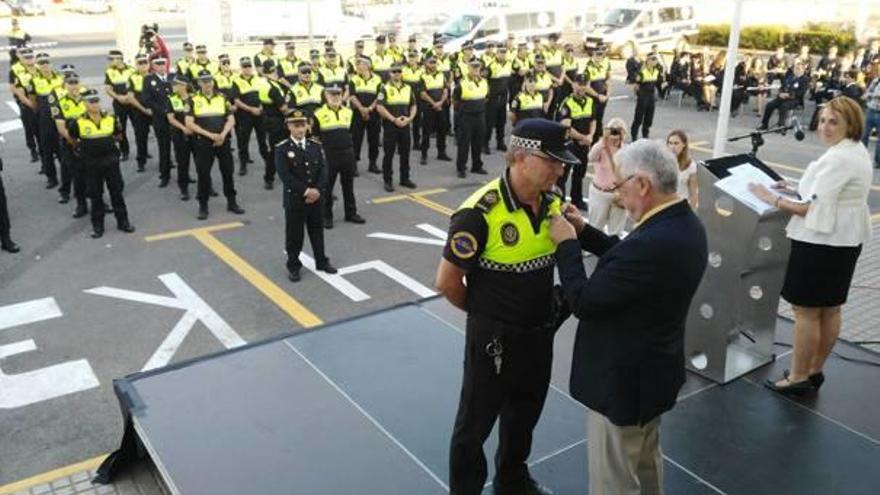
(827, 229)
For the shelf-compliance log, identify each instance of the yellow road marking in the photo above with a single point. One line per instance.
(432, 205)
(53, 475)
(399, 197)
(276, 294)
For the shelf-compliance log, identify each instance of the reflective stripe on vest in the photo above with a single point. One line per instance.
(328, 119)
(473, 90)
(203, 107)
(498, 70)
(543, 81)
(89, 130)
(530, 102)
(579, 110)
(434, 81)
(398, 96)
(307, 96)
(512, 245)
(370, 86)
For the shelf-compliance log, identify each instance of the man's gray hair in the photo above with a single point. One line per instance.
(652, 159)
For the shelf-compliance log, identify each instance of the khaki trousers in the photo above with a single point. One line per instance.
(624, 460)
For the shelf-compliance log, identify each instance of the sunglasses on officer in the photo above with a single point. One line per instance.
(142, 62)
(224, 62)
(42, 62)
(305, 71)
(395, 71)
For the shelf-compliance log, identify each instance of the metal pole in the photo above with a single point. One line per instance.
(727, 86)
(309, 20)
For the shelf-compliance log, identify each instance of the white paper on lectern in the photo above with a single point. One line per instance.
(737, 185)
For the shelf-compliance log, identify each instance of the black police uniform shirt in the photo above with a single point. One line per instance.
(244, 89)
(96, 148)
(363, 89)
(333, 138)
(388, 94)
(179, 107)
(477, 105)
(120, 81)
(433, 83)
(511, 297)
(303, 169)
(528, 106)
(279, 97)
(210, 123)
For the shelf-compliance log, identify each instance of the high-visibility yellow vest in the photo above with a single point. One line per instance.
(137, 82)
(474, 90)
(70, 108)
(223, 81)
(553, 57)
(119, 77)
(88, 129)
(433, 81)
(382, 63)
(543, 81)
(397, 96)
(264, 89)
(43, 86)
(410, 75)
(216, 106)
(329, 119)
(247, 86)
(335, 75)
(579, 110)
(649, 75)
(178, 104)
(530, 102)
(370, 85)
(307, 96)
(498, 70)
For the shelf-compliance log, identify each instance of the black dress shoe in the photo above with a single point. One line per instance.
(250, 160)
(389, 187)
(479, 171)
(126, 227)
(52, 184)
(328, 223)
(35, 157)
(294, 275)
(184, 195)
(793, 389)
(80, 211)
(374, 169)
(443, 157)
(64, 199)
(9, 246)
(501, 147)
(214, 193)
(141, 167)
(408, 183)
(124, 158)
(203, 212)
(97, 233)
(355, 173)
(761, 127)
(462, 174)
(327, 268)
(242, 171)
(486, 150)
(234, 208)
(355, 218)
(423, 160)
(163, 183)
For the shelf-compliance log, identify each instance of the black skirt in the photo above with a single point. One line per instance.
(819, 275)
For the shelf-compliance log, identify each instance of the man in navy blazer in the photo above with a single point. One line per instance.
(628, 362)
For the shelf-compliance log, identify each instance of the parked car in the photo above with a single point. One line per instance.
(90, 6)
(5, 10)
(27, 7)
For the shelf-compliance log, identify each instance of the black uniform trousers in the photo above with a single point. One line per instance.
(205, 153)
(183, 150)
(123, 113)
(372, 129)
(275, 131)
(48, 142)
(644, 116)
(72, 173)
(577, 172)
(434, 122)
(517, 395)
(98, 172)
(395, 139)
(340, 162)
(470, 132)
(598, 116)
(416, 124)
(141, 123)
(496, 117)
(29, 123)
(163, 139)
(780, 104)
(4, 213)
(296, 215)
(245, 124)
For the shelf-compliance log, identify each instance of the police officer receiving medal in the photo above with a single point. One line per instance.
(499, 243)
(300, 165)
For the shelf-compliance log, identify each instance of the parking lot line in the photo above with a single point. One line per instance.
(277, 295)
(49, 476)
(418, 197)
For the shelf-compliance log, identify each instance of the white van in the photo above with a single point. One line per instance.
(496, 25)
(641, 23)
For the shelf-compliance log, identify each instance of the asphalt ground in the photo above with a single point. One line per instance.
(64, 345)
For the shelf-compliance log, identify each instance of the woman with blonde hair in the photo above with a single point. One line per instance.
(677, 142)
(604, 212)
(827, 231)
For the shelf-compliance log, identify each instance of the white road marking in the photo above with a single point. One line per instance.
(14, 106)
(196, 310)
(351, 291)
(15, 315)
(438, 239)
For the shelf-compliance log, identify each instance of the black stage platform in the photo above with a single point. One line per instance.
(366, 406)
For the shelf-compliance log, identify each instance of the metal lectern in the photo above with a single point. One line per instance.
(732, 318)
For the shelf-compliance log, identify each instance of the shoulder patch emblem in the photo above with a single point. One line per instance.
(463, 245)
(509, 234)
(488, 201)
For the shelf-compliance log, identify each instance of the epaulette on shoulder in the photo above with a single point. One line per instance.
(313, 140)
(282, 143)
(487, 201)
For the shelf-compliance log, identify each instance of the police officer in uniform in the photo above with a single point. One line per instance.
(499, 241)
(576, 113)
(69, 107)
(43, 85)
(528, 103)
(179, 105)
(267, 53)
(116, 83)
(157, 89)
(300, 164)
(331, 125)
(411, 73)
(381, 60)
(97, 133)
(275, 100)
(363, 88)
(332, 73)
(20, 74)
(469, 99)
(6, 242)
(306, 94)
(183, 64)
(211, 119)
(648, 81)
(202, 63)
(434, 93)
(397, 106)
(520, 66)
(288, 67)
(141, 114)
(500, 71)
(598, 71)
(245, 95)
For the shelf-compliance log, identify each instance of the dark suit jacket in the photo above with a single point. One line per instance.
(628, 361)
(155, 95)
(299, 170)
